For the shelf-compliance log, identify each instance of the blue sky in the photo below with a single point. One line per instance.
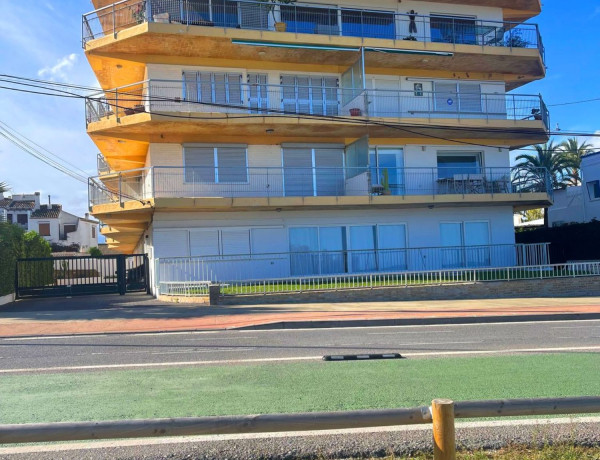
(42, 39)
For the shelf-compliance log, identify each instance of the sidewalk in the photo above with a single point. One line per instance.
(141, 313)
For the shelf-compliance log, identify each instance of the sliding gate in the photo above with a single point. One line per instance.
(66, 276)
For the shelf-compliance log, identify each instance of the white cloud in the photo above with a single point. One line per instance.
(60, 69)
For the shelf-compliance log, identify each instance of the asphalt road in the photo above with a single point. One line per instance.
(127, 350)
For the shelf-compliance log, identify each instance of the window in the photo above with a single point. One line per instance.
(374, 24)
(465, 244)
(93, 231)
(258, 92)
(363, 244)
(9, 218)
(216, 164)
(307, 20)
(391, 244)
(313, 171)
(22, 219)
(453, 165)
(70, 228)
(453, 29)
(594, 189)
(310, 95)
(213, 88)
(44, 229)
(457, 97)
(387, 161)
(317, 250)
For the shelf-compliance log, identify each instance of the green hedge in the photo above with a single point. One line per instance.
(16, 244)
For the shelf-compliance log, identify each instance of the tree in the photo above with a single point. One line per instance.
(532, 214)
(4, 187)
(548, 162)
(548, 157)
(575, 150)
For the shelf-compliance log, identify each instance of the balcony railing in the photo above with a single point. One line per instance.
(159, 96)
(266, 182)
(311, 19)
(103, 167)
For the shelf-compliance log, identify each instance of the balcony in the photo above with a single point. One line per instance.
(255, 30)
(285, 107)
(247, 188)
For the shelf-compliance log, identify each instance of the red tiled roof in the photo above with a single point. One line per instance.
(47, 213)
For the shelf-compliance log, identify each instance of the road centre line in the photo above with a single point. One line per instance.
(291, 359)
(415, 332)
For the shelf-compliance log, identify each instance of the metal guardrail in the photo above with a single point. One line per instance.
(232, 182)
(271, 423)
(312, 19)
(191, 277)
(156, 96)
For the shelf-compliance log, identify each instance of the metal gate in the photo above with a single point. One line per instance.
(66, 276)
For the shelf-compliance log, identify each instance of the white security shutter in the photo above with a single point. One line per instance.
(303, 89)
(470, 97)
(288, 96)
(317, 96)
(232, 164)
(170, 243)
(220, 88)
(446, 98)
(331, 95)
(329, 172)
(268, 240)
(235, 242)
(204, 243)
(191, 86)
(205, 84)
(234, 89)
(298, 171)
(199, 164)
(257, 92)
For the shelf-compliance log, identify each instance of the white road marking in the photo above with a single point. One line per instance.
(220, 338)
(181, 363)
(294, 358)
(90, 445)
(415, 332)
(511, 350)
(574, 327)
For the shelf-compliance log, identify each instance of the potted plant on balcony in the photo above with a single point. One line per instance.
(270, 6)
(385, 182)
(138, 12)
(355, 112)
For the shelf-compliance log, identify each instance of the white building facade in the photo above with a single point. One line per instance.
(341, 145)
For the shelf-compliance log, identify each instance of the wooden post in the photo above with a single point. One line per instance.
(444, 442)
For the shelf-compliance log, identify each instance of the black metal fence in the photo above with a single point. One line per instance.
(66, 276)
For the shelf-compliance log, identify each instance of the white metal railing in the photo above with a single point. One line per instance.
(347, 269)
(232, 182)
(313, 18)
(157, 96)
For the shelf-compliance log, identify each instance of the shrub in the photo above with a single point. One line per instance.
(95, 252)
(11, 248)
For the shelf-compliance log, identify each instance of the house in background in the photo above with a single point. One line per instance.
(265, 140)
(18, 208)
(50, 221)
(582, 203)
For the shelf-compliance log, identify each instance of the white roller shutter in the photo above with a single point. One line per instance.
(268, 240)
(170, 243)
(235, 242)
(204, 243)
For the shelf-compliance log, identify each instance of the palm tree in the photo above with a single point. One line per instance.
(575, 151)
(4, 187)
(548, 162)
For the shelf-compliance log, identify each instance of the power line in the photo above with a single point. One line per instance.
(575, 102)
(279, 113)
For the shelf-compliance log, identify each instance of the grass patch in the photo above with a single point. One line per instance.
(290, 387)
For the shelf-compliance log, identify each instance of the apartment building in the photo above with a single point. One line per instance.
(315, 138)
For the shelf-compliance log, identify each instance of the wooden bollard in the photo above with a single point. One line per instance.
(444, 441)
